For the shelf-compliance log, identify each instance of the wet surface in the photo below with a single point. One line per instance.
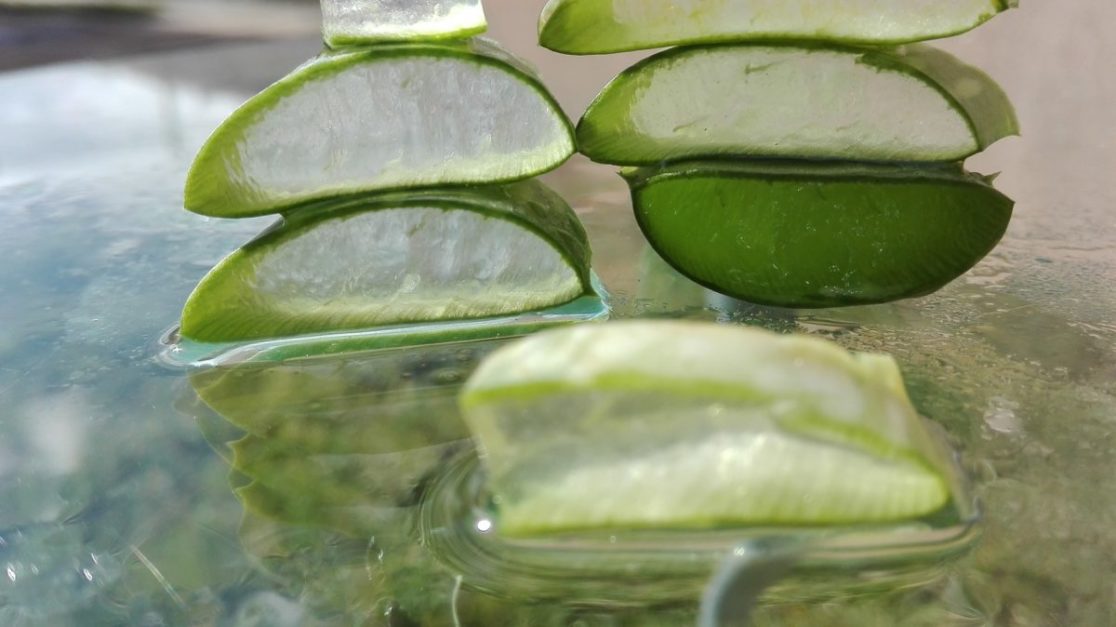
(113, 466)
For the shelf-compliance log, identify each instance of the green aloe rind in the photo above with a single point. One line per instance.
(987, 107)
(606, 26)
(819, 235)
(307, 137)
(796, 100)
(688, 425)
(235, 303)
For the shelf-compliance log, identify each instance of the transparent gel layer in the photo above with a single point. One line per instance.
(363, 21)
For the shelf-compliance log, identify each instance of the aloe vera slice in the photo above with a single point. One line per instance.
(795, 101)
(690, 425)
(364, 21)
(603, 26)
(819, 235)
(380, 118)
(373, 261)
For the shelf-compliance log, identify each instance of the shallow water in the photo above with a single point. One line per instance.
(118, 502)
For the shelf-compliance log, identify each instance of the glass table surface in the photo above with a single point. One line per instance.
(117, 501)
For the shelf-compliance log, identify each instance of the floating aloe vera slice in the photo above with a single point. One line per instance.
(603, 26)
(373, 261)
(362, 21)
(684, 425)
(386, 117)
(819, 235)
(816, 102)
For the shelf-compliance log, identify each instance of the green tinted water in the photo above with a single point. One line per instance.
(118, 505)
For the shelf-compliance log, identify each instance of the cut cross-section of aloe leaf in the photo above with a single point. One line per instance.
(380, 118)
(819, 235)
(796, 101)
(347, 22)
(603, 26)
(373, 261)
(686, 425)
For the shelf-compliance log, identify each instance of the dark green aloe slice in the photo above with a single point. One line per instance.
(368, 262)
(796, 101)
(379, 118)
(603, 26)
(821, 235)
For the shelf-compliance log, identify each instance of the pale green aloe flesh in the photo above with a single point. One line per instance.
(688, 425)
(381, 260)
(603, 26)
(795, 101)
(363, 21)
(380, 118)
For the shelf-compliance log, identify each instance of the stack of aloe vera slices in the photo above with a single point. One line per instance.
(401, 161)
(786, 153)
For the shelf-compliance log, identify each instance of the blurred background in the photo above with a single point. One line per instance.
(35, 32)
(40, 32)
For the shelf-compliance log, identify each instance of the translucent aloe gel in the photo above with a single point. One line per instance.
(363, 21)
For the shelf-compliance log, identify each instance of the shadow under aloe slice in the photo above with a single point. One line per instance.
(673, 425)
(809, 101)
(369, 262)
(819, 235)
(381, 118)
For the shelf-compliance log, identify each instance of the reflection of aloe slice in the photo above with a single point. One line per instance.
(338, 479)
(816, 235)
(684, 425)
(388, 117)
(356, 518)
(602, 26)
(377, 261)
(823, 101)
(362, 21)
(376, 403)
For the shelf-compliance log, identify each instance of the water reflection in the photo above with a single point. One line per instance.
(362, 498)
(330, 461)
